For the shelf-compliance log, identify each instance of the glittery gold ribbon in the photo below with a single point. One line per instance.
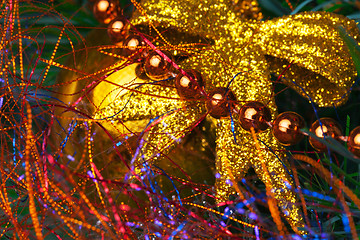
(309, 42)
(243, 53)
(319, 61)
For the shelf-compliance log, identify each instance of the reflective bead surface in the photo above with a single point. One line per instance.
(254, 114)
(117, 29)
(286, 128)
(156, 67)
(329, 128)
(220, 102)
(132, 45)
(105, 10)
(189, 88)
(354, 141)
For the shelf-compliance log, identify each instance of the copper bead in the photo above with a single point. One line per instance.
(286, 128)
(220, 102)
(329, 128)
(354, 141)
(157, 67)
(132, 45)
(256, 115)
(189, 88)
(105, 10)
(117, 29)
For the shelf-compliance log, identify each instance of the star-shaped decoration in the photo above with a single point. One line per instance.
(235, 58)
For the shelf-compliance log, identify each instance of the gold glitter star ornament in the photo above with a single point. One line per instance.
(238, 56)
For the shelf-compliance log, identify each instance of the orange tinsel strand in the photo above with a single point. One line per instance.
(332, 179)
(32, 207)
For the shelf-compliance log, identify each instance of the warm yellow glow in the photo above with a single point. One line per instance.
(112, 89)
(106, 92)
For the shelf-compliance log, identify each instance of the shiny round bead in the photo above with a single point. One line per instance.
(117, 29)
(133, 44)
(105, 10)
(254, 114)
(354, 141)
(220, 102)
(189, 88)
(329, 128)
(156, 67)
(286, 128)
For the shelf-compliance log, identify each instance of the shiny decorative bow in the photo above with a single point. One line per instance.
(239, 54)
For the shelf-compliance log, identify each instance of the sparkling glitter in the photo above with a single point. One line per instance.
(308, 43)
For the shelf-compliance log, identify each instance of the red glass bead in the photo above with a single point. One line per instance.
(286, 128)
(256, 115)
(105, 10)
(189, 88)
(329, 128)
(117, 29)
(354, 141)
(156, 67)
(220, 102)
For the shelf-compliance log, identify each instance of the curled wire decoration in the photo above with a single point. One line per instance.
(148, 124)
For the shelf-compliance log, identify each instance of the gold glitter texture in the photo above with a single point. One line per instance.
(320, 63)
(243, 53)
(247, 9)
